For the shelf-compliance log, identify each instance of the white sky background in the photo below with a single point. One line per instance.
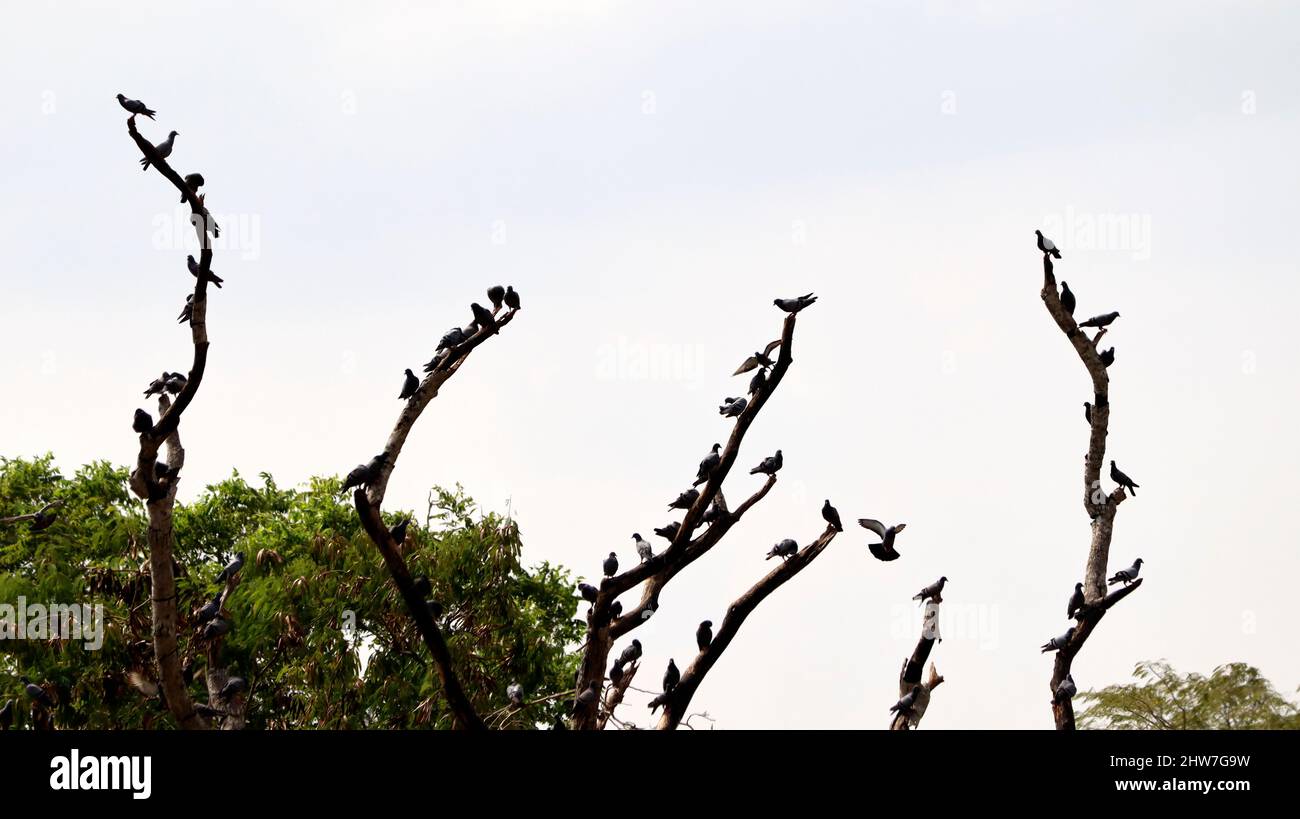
(650, 176)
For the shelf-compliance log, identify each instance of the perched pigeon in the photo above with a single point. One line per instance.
(363, 474)
(511, 298)
(904, 705)
(187, 312)
(143, 422)
(668, 532)
(36, 692)
(831, 516)
(932, 591)
(193, 181)
(421, 586)
(210, 609)
(1066, 690)
(643, 549)
(610, 565)
(758, 383)
(1100, 321)
(733, 407)
(1087, 411)
(1058, 643)
(483, 317)
(409, 385)
(759, 359)
(1067, 298)
(204, 218)
(704, 634)
(1127, 576)
(630, 654)
(713, 512)
(232, 568)
(435, 608)
(7, 715)
(164, 150)
(163, 472)
(588, 592)
(194, 271)
(795, 305)
(233, 686)
(1122, 479)
(884, 550)
(707, 465)
(685, 499)
(451, 338)
(616, 673)
(496, 294)
(157, 386)
(175, 382)
(515, 693)
(135, 106)
(1047, 245)
(398, 531)
(671, 677)
(616, 609)
(784, 550)
(769, 465)
(1076, 600)
(588, 696)
(216, 627)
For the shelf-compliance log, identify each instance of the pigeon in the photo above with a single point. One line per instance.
(496, 294)
(193, 181)
(1087, 411)
(483, 317)
(588, 592)
(157, 386)
(187, 312)
(932, 591)
(643, 549)
(1108, 357)
(685, 499)
(904, 705)
(163, 472)
(707, 465)
(668, 532)
(1066, 690)
(7, 715)
(704, 634)
(1067, 298)
(135, 106)
(759, 360)
(884, 550)
(671, 677)
(232, 568)
(630, 654)
(42, 521)
(233, 686)
(451, 338)
(758, 383)
(210, 609)
(1122, 479)
(1076, 600)
(712, 513)
(1100, 321)
(831, 516)
(795, 305)
(733, 407)
(421, 586)
(1058, 643)
(588, 696)
(143, 422)
(769, 465)
(785, 549)
(511, 298)
(616, 609)
(208, 222)
(36, 692)
(175, 382)
(216, 627)
(515, 693)
(194, 271)
(616, 673)
(1127, 576)
(1047, 245)
(164, 150)
(610, 565)
(398, 532)
(435, 608)
(363, 474)
(409, 385)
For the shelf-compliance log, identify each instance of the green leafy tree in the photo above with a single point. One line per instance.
(319, 632)
(1234, 697)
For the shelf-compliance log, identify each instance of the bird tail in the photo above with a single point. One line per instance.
(1056, 254)
(1047, 648)
(149, 113)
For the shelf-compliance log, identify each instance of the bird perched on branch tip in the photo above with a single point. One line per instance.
(1047, 245)
(832, 516)
(1127, 576)
(795, 305)
(135, 106)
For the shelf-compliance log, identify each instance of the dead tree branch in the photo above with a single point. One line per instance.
(910, 675)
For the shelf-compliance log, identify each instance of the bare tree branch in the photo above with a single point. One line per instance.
(910, 675)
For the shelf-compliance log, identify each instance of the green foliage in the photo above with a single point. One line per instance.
(1235, 696)
(320, 631)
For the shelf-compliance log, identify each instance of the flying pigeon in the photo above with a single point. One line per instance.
(194, 271)
(1047, 245)
(616, 673)
(630, 654)
(588, 696)
(704, 634)
(1100, 321)
(7, 715)
(42, 521)
(760, 359)
(931, 591)
(1067, 298)
(758, 383)
(1076, 600)
(409, 385)
(143, 422)
(1127, 576)
(233, 686)
(904, 705)
(398, 531)
(831, 516)
(135, 106)
(164, 150)
(1087, 411)
(795, 305)
(588, 592)
(515, 693)
(1058, 643)
(511, 298)
(216, 627)
(668, 532)
(422, 586)
(193, 181)
(1066, 690)
(210, 609)
(769, 465)
(187, 312)
(36, 692)
(611, 565)
(784, 550)
(884, 550)
(643, 549)
(231, 568)
(685, 499)
(1122, 479)
(496, 294)
(707, 465)
(483, 317)
(671, 677)
(733, 407)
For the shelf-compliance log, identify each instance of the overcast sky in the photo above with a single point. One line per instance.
(650, 177)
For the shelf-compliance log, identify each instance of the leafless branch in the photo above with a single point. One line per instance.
(910, 675)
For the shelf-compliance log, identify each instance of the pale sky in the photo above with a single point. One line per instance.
(650, 177)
